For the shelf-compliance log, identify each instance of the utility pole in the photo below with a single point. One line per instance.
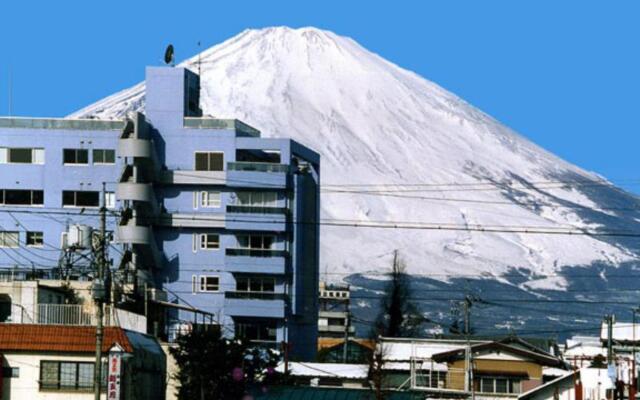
(468, 356)
(609, 340)
(99, 292)
(347, 325)
(634, 383)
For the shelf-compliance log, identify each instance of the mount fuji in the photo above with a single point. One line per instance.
(401, 151)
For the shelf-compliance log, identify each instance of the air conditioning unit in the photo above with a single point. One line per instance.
(78, 236)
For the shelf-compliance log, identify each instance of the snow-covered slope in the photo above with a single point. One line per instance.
(381, 131)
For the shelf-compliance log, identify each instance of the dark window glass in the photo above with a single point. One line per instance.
(242, 284)
(75, 156)
(68, 198)
(1, 196)
(104, 156)
(20, 156)
(18, 197)
(202, 162)
(37, 197)
(35, 239)
(256, 242)
(49, 374)
(87, 199)
(268, 285)
(267, 242)
(216, 162)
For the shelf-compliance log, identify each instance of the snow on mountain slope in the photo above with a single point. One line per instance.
(375, 123)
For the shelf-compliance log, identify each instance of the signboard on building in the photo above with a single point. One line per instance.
(113, 379)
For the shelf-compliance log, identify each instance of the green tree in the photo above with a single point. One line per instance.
(215, 368)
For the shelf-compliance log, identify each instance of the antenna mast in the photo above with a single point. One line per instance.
(10, 91)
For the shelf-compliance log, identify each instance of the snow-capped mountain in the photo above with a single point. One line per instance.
(397, 147)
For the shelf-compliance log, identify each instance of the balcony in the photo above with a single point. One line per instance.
(192, 177)
(194, 220)
(257, 174)
(256, 218)
(262, 253)
(255, 261)
(80, 315)
(255, 304)
(257, 167)
(255, 210)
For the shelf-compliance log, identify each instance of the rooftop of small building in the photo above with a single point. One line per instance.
(60, 338)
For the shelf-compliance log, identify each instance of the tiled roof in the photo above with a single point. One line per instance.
(59, 338)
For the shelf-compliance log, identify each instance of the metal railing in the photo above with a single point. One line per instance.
(84, 315)
(255, 252)
(255, 295)
(255, 209)
(257, 166)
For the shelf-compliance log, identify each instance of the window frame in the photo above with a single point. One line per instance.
(208, 153)
(38, 235)
(203, 285)
(205, 199)
(5, 244)
(75, 150)
(76, 386)
(32, 192)
(104, 153)
(75, 199)
(203, 238)
(262, 241)
(36, 155)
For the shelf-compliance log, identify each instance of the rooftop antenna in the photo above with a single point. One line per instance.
(168, 55)
(10, 91)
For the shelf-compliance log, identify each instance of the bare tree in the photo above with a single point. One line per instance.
(398, 316)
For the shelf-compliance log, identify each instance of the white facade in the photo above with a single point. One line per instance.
(26, 384)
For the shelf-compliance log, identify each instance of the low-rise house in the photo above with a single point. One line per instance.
(584, 384)
(497, 368)
(327, 374)
(57, 362)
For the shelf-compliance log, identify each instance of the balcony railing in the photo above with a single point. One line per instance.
(255, 252)
(255, 209)
(255, 295)
(257, 166)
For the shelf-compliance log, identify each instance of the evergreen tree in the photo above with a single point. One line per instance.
(214, 368)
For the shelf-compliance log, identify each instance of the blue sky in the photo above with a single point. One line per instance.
(563, 73)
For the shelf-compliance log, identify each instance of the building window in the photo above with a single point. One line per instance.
(256, 284)
(498, 384)
(10, 372)
(209, 283)
(21, 197)
(104, 156)
(71, 376)
(209, 161)
(35, 239)
(258, 199)
(24, 155)
(9, 239)
(209, 241)
(77, 198)
(210, 199)
(258, 242)
(109, 199)
(75, 156)
(257, 331)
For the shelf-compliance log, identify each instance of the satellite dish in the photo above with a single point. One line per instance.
(168, 55)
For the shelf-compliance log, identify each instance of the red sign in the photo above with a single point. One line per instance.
(113, 380)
